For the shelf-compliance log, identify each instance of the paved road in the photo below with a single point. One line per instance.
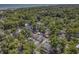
(44, 41)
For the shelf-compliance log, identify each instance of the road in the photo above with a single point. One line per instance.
(44, 41)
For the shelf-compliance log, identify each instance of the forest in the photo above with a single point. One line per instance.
(40, 30)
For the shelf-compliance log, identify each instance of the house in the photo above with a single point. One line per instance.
(77, 34)
(17, 32)
(61, 34)
(28, 26)
(77, 46)
(47, 33)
